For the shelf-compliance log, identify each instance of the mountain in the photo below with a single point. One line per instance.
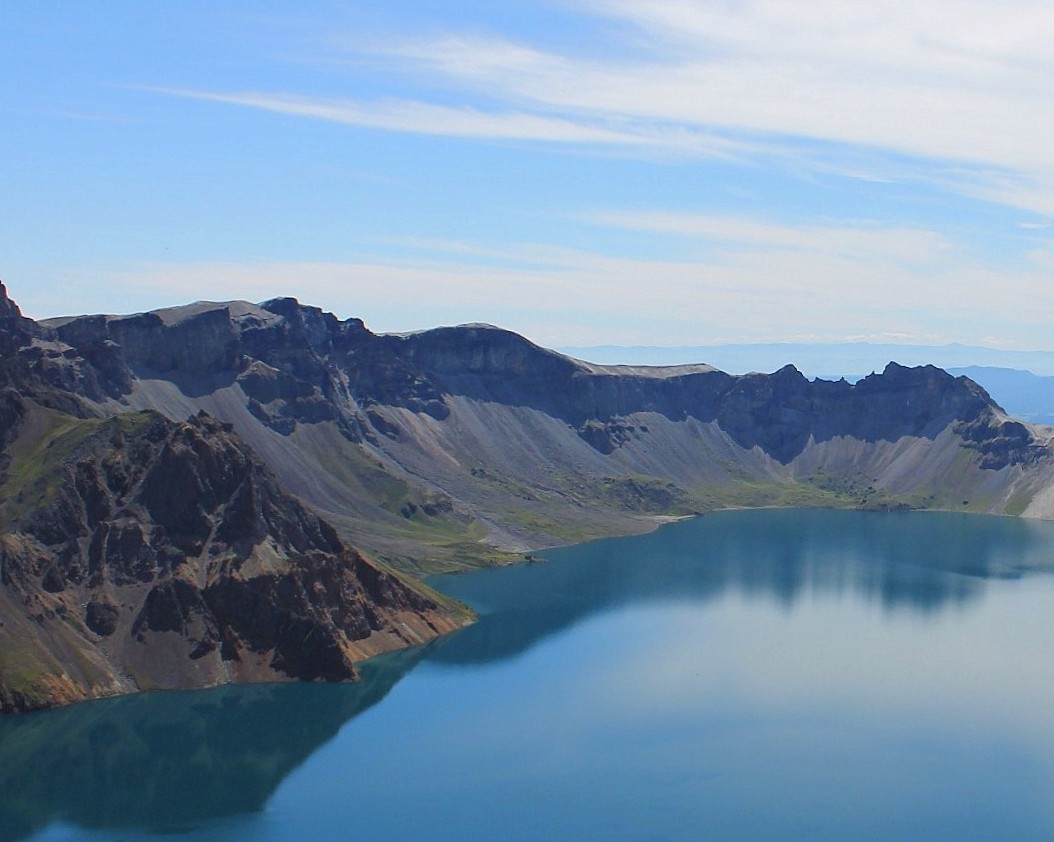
(455, 445)
(169, 478)
(1023, 394)
(1022, 382)
(140, 553)
(851, 359)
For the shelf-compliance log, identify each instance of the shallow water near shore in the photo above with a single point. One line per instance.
(771, 674)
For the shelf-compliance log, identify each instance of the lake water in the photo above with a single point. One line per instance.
(820, 675)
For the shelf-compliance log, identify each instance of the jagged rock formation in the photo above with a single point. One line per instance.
(422, 445)
(433, 446)
(140, 553)
(161, 555)
(432, 450)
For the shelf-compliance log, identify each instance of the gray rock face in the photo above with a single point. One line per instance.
(297, 364)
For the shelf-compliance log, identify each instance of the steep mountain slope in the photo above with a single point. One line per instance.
(444, 447)
(138, 552)
(164, 555)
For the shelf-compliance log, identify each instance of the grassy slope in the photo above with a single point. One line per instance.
(40, 659)
(47, 441)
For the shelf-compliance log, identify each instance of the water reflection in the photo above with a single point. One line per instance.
(168, 761)
(915, 561)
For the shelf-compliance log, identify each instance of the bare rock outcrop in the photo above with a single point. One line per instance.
(164, 555)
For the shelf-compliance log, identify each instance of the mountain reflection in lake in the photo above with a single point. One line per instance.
(169, 761)
(909, 561)
(766, 675)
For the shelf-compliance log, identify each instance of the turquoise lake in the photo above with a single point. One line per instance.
(747, 675)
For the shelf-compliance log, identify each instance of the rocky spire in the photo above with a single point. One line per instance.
(11, 317)
(15, 332)
(8, 307)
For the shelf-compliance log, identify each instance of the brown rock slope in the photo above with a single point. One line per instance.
(141, 553)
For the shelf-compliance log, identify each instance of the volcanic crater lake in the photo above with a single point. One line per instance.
(751, 675)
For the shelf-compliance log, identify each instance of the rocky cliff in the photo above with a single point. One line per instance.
(456, 445)
(130, 529)
(140, 553)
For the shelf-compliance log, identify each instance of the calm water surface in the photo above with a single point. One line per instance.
(817, 675)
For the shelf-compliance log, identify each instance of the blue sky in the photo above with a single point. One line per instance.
(606, 171)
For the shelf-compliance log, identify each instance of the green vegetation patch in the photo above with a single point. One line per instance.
(38, 462)
(647, 495)
(406, 513)
(1017, 503)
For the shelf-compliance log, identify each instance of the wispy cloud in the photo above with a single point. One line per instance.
(419, 117)
(955, 97)
(964, 85)
(471, 121)
(962, 90)
(860, 242)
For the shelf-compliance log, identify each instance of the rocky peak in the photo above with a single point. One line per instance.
(482, 350)
(488, 363)
(315, 327)
(16, 332)
(15, 328)
(144, 551)
(8, 308)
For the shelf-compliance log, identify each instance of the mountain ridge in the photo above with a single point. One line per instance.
(302, 373)
(437, 450)
(138, 552)
(853, 359)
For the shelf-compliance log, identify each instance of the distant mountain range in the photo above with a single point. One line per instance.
(1022, 382)
(854, 359)
(241, 492)
(1022, 394)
